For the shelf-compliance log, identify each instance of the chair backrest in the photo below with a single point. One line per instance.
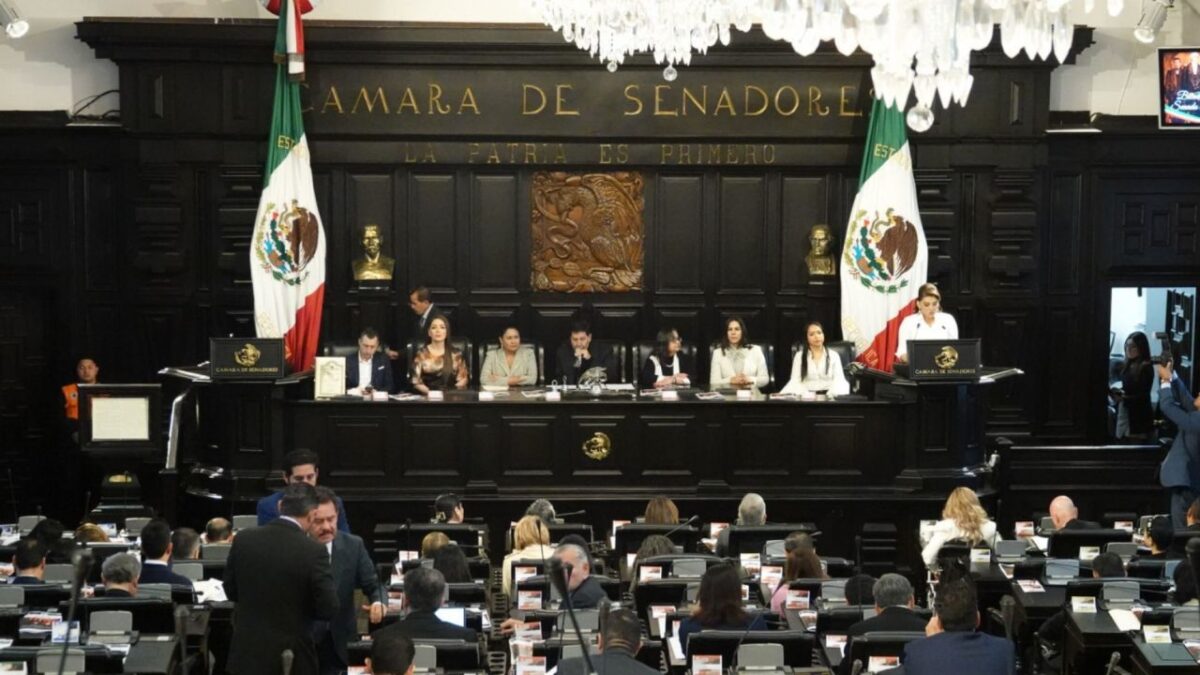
(424, 657)
(245, 522)
(1046, 526)
(215, 551)
(1125, 549)
(191, 570)
(49, 658)
(453, 655)
(625, 371)
(752, 538)
(462, 344)
(11, 595)
(1066, 543)
(59, 573)
(159, 591)
(25, 524)
(340, 348)
(629, 538)
(539, 358)
(133, 526)
(760, 656)
(880, 643)
(115, 621)
(466, 593)
(796, 645)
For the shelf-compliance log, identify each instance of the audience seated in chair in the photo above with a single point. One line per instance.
(719, 605)
(218, 531)
(802, 562)
(531, 541)
(1159, 537)
(618, 645)
(953, 645)
(452, 563)
(156, 556)
(751, 511)
(962, 518)
(1065, 515)
(894, 603)
(29, 562)
(424, 590)
(120, 574)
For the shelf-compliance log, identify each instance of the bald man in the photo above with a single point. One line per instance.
(1065, 515)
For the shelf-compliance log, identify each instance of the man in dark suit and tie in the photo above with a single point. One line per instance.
(156, 556)
(299, 466)
(281, 584)
(894, 603)
(424, 589)
(580, 354)
(120, 573)
(1180, 470)
(29, 563)
(952, 645)
(421, 303)
(368, 370)
(1065, 515)
(352, 569)
(617, 649)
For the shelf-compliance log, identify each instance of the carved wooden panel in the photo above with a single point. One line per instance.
(431, 446)
(101, 260)
(1065, 222)
(937, 197)
(588, 232)
(160, 246)
(674, 442)
(679, 235)
(1154, 221)
(585, 427)
(764, 447)
(236, 196)
(1011, 338)
(495, 265)
(743, 235)
(27, 220)
(1013, 248)
(832, 447)
(368, 435)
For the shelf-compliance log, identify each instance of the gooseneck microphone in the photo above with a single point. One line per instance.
(81, 560)
(560, 574)
(570, 514)
(181, 617)
(286, 659)
(680, 526)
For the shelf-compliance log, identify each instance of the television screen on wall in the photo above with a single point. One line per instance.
(1179, 88)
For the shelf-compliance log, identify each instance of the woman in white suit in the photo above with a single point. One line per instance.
(962, 518)
(816, 369)
(736, 363)
(510, 365)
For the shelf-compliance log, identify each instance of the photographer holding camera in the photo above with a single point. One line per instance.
(1180, 470)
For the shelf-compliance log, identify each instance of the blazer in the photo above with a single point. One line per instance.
(425, 625)
(832, 381)
(587, 595)
(975, 653)
(268, 510)
(1077, 524)
(496, 372)
(420, 332)
(611, 661)
(724, 366)
(947, 529)
(890, 619)
(602, 356)
(352, 569)
(652, 369)
(280, 582)
(381, 372)
(162, 574)
(690, 625)
(1182, 463)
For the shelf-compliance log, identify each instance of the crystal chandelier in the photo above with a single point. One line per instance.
(919, 46)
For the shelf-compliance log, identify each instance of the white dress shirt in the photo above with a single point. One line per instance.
(364, 372)
(913, 327)
(748, 361)
(831, 380)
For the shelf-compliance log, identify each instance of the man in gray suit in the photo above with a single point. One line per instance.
(352, 568)
(1180, 471)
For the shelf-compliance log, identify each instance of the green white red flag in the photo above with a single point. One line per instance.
(287, 249)
(885, 257)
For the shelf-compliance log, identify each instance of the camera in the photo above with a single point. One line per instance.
(1165, 355)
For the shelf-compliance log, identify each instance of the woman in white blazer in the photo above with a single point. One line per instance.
(817, 369)
(962, 518)
(736, 363)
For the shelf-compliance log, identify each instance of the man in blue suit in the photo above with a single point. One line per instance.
(368, 369)
(29, 563)
(299, 466)
(156, 556)
(1180, 470)
(952, 645)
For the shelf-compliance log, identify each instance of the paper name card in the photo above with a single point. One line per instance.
(797, 598)
(531, 665)
(878, 664)
(771, 575)
(1193, 648)
(659, 614)
(1086, 553)
(1031, 585)
(1157, 635)
(707, 664)
(530, 631)
(837, 642)
(714, 529)
(397, 579)
(1125, 619)
(436, 395)
(351, 670)
(808, 619)
(1007, 571)
(523, 572)
(745, 592)
(1024, 528)
(981, 555)
(519, 648)
(744, 394)
(13, 668)
(1083, 604)
(487, 396)
(553, 396)
(630, 558)
(670, 395)
(751, 562)
(395, 602)
(1126, 525)
(529, 599)
(649, 572)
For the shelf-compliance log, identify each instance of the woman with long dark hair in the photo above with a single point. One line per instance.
(719, 605)
(438, 365)
(737, 363)
(817, 370)
(665, 367)
(1135, 415)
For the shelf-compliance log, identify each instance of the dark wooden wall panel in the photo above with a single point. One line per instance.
(743, 240)
(431, 227)
(495, 223)
(679, 238)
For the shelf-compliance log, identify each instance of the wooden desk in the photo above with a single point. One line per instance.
(1090, 641)
(1161, 659)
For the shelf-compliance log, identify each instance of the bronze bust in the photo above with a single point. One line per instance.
(820, 261)
(373, 265)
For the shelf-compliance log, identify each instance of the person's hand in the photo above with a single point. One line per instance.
(933, 627)
(583, 354)
(375, 611)
(1165, 371)
(510, 626)
(664, 382)
(739, 380)
(461, 383)
(681, 379)
(392, 354)
(903, 358)
(514, 380)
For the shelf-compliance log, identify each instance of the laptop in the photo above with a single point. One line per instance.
(1060, 571)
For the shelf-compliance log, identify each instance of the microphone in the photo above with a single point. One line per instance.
(81, 560)
(1112, 663)
(559, 573)
(560, 516)
(287, 657)
(680, 526)
(181, 616)
(857, 667)
(578, 360)
(408, 535)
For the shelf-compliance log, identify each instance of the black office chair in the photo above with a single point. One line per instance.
(452, 655)
(466, 535)
(539, 357)
(797, 645)
(1066, 543)
(557, 531)
(150, 615)
(768, 351)
(880, 643)
(629, 538)
(843, 348)
(666, 591)
(642, 350)
(754, 538)
(460, 343)
(340, 348)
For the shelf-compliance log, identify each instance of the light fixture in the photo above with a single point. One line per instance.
(1152, 21)
(14, 25)
(920, 47)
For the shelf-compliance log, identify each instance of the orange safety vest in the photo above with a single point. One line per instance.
(71, 401)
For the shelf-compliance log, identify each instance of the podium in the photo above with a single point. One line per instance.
(946, 445)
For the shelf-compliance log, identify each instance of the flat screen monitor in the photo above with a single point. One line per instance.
(1179, 88)
(454, 615)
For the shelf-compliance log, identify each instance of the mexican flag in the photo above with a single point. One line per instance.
(287, 249)
(885, 257)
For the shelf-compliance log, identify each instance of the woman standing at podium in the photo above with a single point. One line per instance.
(929, 322)
(437, 365)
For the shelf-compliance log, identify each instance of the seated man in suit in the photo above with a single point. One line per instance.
(299, 466)
(218, 531)
(953, 645)
(616, 649)
(1065, 515)
(120, 573)
(894, 603)
(352, 570)
(575, 357)
(752, 510)
(156, 556)
(1159, 539)
(424, 589)
(1180, 470)
(391, 654)
(29, 562)
(1052, 632)
(369, 370)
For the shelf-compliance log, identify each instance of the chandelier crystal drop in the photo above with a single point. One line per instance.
(921, 48)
